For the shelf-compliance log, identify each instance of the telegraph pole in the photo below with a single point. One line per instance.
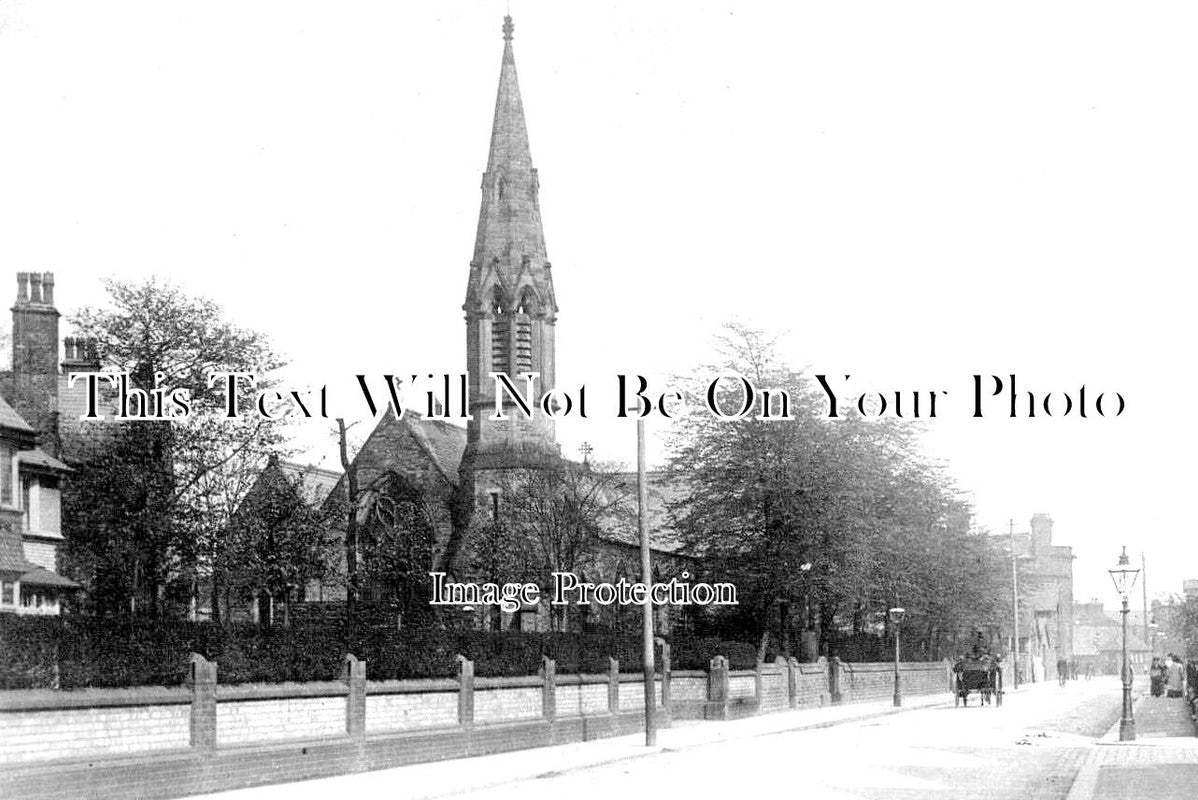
(642, 511)
(1015, 604)
(1144, 587)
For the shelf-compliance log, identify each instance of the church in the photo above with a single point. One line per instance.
(457, 481)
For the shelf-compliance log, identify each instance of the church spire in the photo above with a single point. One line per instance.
(510, 307)
(509, 220)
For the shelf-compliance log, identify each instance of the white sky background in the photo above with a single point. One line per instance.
(912, 192)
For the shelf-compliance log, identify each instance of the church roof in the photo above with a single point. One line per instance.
(660, 492)
(316, 482)
(444, 442)
(393, 443)
(441, 443)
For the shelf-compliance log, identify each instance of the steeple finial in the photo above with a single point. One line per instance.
(507, 28)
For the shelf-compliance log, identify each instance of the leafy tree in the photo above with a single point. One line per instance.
(278, 538)
(550, 520)
(139, 506)
(395, 529)
(843, 518)
(1183, 625)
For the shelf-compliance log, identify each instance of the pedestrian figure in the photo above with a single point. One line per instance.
(1174, 677)
(1156, 675)
(1062, 671)
(1089, 670)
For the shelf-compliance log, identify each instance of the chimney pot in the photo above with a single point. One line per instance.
(22, 287)
(48, 288)
(35, 287)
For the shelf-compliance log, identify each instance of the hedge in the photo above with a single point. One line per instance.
(99, 652)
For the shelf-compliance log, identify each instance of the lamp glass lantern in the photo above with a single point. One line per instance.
(1123, 574)
(896, 614)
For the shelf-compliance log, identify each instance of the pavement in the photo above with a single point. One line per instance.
(1160, 764)
(463, 776)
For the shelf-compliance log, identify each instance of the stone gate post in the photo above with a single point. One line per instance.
(203, 703)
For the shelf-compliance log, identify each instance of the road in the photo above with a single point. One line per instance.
(1030, 749)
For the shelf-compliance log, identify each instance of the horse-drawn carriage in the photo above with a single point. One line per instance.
(979, 674)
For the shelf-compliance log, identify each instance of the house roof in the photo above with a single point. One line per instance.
(39, 576)
(1093, 640)
(12, 552)
(12, 420)
(12, 559)
(36, 458)
(1092, 614)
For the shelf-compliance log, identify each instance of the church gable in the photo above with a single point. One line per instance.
(425, 452)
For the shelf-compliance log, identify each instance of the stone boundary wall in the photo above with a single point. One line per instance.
(785, 684)
(869, 682)
(156, 742)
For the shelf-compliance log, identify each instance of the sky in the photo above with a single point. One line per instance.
(910, 194)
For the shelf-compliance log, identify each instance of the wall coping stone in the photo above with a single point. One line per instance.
(637, 677)
(411, 686)
(505, 682)
(279, 691)
(48, 699)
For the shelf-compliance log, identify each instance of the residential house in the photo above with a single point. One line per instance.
(30, 499)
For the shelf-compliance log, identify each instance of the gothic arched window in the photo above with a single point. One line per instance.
(501, 331)
(527, 306)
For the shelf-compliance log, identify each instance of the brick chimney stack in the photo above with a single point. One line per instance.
(1041, 532)
(79, 354)
(34, 388)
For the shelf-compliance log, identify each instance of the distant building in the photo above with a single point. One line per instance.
(1098, 640)
(1045, 599)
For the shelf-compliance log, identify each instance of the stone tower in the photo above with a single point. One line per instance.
(510, 306)
(34, 389)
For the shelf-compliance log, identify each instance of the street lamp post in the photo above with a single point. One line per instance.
(896, 619)
(1123, 575)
